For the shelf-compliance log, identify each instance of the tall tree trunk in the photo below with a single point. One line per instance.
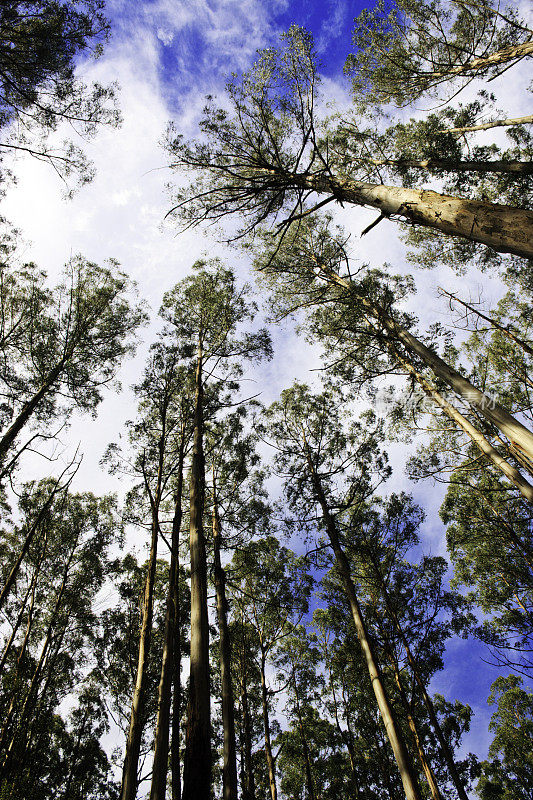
(34, 527)
(504, 228)
(303, 736)
(517, 433)
(162, 730)
(133, 743)
(426, 767)
(175, 753)
(248, 790)
(229, 768)
(525, 488)
(513, 52)
(197, 770)
(29, 409)
(393, 731)
(446, 750)
(511, 167)
(271, 762)
(499, 123)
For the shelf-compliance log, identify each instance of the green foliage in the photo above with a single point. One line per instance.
(41, 42)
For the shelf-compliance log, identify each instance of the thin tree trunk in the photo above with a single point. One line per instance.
(492, 322)
(525, 488)
(162, 730)
(511, 53)
(229, 768)
(517, 433)
(307, 760)
(175, 753)
(29, 539)
(446, 751)
(499, 123)
(197, 770)
(393, 732)
(511, 167)
(133, 743)
(428, 772)
(504, 228)
(248, 791)
(271, 763)
(29, 409)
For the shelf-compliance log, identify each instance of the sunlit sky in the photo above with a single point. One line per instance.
(166, 56)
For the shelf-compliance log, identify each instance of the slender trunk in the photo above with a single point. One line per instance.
(453, 165)
(197, 770)
(162, 730)
(517, 433)
(307, 760)
(512, 52)
(175, 754)
(393, 731)
(271, 763)
(499, 123)
(229, 768)
(29, 409)
(504, 228)
(248, 790)
(34, 527)
(492, 322)
(36, 673)
(133, 744)
(525, 488)
(428, 772)
(30, 592)
(446, 751)
(73, 757)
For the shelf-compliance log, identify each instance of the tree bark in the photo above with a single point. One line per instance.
(162, 730)
(503, 56)
(307, 760)
(393, 732)
(499, 123)
(229, 768)
(175, 754)
(451, 165)
(197, 770)
(504, 228)
(248, 789)
(133, 743)
(29, 409)
(271, 763)
(446, 751)
(518, 434)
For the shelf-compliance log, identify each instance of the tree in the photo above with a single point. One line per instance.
(271, 587)
(355, 315)
(204, 311)
(413, 48)
(41, 42)
(512, 724)
(65, 344)
(270, 153)
(314, 450)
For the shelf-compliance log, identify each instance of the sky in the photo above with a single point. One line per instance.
(166, 55)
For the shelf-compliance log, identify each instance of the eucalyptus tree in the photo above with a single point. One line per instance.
(427, 48)
(41, 42)
(270, 589)
(510, 771)
(204, 313)
(61, 346)
(156, 451)
(269, 153)
(332, 468)
(238, 500)
(66, 568)
(355, 315)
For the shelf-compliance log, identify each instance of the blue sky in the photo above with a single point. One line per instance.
(167, 55)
